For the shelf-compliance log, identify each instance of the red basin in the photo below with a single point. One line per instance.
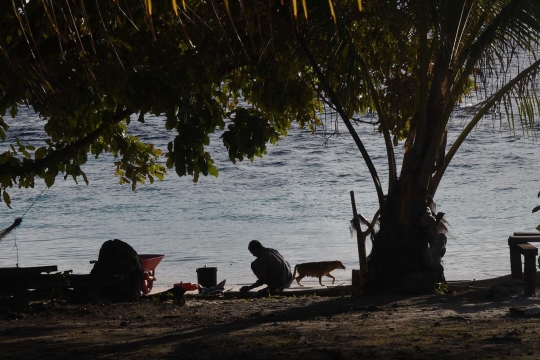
(150, 261)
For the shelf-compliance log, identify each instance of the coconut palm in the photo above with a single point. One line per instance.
(412, 63)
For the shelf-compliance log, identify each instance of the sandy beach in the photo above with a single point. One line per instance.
(467, 323)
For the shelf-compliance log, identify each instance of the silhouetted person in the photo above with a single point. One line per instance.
(270, 268)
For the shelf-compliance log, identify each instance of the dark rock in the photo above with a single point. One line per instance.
(119, 270)
(498, 292)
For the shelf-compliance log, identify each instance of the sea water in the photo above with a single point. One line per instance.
(295, 199)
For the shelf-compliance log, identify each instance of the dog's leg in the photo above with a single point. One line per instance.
(320, 279)
(333, 278)
(298, 278)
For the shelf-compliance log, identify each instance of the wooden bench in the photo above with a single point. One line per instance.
(16, 281)
(519, 245)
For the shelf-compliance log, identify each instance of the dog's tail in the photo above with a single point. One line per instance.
(294, 272)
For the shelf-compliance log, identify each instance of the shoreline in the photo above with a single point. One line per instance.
(310, 286)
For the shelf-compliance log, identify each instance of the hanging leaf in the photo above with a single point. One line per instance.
(305, 8)
(41, 152)
(332, 11)
(49, 179)
(7, 198)
(13, 111)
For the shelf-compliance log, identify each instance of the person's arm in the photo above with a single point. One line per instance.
(256, 284)
(259, 269)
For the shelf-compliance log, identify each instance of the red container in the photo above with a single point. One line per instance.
(149, 262)
(188, 286)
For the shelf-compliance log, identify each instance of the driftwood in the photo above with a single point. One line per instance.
(361, 237)
(327, 291)
(179, 296)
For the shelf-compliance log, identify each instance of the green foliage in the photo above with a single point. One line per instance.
(87, 73)
(535, 210)
(248, 135)
(441, 288)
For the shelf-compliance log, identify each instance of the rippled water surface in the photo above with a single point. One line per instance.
(296, 199)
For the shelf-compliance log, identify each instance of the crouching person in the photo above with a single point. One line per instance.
(270, 268)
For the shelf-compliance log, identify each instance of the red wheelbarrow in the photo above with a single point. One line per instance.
(149, 263)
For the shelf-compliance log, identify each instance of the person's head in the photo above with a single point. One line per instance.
(255, 247)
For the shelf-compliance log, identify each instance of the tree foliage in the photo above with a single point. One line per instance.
(87, 68)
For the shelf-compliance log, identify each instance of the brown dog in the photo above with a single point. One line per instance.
(317, 269)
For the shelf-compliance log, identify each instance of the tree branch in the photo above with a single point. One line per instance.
(344, 117)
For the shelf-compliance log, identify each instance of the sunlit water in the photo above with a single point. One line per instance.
(296, 199)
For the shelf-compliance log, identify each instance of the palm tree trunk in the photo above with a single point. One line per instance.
(402, 255)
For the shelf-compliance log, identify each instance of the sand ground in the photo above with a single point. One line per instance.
(464, 324)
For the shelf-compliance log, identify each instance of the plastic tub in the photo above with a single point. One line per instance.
(207, 276)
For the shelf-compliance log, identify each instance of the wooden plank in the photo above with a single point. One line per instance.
(15, 271)
(527, 249)
(342, 290)
(522, 239)
(330, 291)
(537, 233)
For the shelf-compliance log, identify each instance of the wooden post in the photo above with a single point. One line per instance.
(515, 262)
(529, 286)
(361, 241)
(357, 282)
(530, 253)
